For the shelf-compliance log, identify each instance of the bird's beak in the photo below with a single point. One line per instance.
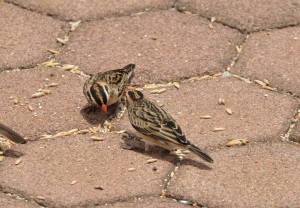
(104, 108)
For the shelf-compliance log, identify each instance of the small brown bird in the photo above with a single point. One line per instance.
(12, 135)
(157, 127)
(106, 88)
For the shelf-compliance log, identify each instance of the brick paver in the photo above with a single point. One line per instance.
(245, 52)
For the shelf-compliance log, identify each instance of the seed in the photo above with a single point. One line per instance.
(40, 197)
(95, 138)
(131, 169)
(49, 63)
(73, 182)
(47, 92)
(30, 107)
(1, 158)
(53, 51)
(260, 82)
(118, 132)
(229, 111)
(18, 161)
(237, 142)
(151, 160)
(213, 19)
(269, 88)
(52, 84)
(219, 129)
(159, 91)
(38, 94)
(67, 67)
(63, 41)
(187, 12)
(16, 100)
(266, 81)
(221, 101)
(74, 25)
(238, 49)
(176, 84)
(172, 174)
(210, 25)
(205, 117)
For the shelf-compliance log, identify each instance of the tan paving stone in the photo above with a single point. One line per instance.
(148, 202)
(245, 15)
(9, 202)
(165, 45)
(255, 175)
(258, 114)
(60, 110)
(87, 10)
(26, 36)
(65, 171)
(273, 56)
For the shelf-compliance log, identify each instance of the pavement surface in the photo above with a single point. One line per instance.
(245, 53)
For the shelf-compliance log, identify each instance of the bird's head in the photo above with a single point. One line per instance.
(100, 94)
(133, 95)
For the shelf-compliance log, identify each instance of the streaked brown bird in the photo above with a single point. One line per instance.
(106, 88)
(12, 135)
(156, 127)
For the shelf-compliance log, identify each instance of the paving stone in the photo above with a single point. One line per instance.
(25, 40)
(255, 175)
(273, 56)
(165, 45)
(87, 164)
(247, 16)
(87, 10)
(10, 202)
(258, 114)
(147, 202)
(61, 110)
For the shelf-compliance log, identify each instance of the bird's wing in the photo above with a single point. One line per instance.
(153, 121)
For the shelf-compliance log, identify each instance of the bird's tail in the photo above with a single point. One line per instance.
(200, 153)
(129, 69)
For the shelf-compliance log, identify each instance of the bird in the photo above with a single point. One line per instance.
(156, 127)
(106, 88)
(12, 135)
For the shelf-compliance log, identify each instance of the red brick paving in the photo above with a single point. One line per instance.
(166, 46)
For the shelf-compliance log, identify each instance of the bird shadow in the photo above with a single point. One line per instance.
(13, 153)
(94, 115)
(132, 142)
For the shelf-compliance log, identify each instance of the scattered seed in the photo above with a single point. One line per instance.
(205, 117)
(11, 97)
(159, 91)
(16, 101)
(47, 92)
(73, 182)
(67, 67)
(95, 138)
(40, 197)
(221, 101)
(238, 49)
(259, 82)
(218, 75)
(237, 142)
(18, 161)
(229, 111)
(30, 107)
(151, 160)
(83, 131)
(50, 63)
(99, 188)
(172, 174)
(38, 94)
(219, 129)
(74, 25)
(266, 81)
(72, 131)
(53, 51)
(63, 41)
(131, 169)
(52, 84)
(118, 132)
(269, 88)
(176, 84)
(213, 19)
(187, 12)
(210, 25)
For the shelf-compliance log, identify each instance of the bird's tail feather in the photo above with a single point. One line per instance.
(200, 153)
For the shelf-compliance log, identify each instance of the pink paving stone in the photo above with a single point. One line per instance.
(10, 202)
(255, 175)
(258, 114)
(165, 45)
(26, 36)
(244, 15)
(50, 166)
(93, 9)
(273, 56)
(61, 110)
(147, 202)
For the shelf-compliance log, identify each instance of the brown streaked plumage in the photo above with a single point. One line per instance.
(12, 135)
(106, 88)
(156, 127)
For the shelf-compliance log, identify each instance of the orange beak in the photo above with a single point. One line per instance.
(104, 108)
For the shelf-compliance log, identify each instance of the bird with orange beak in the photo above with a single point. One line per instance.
(106, 88)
